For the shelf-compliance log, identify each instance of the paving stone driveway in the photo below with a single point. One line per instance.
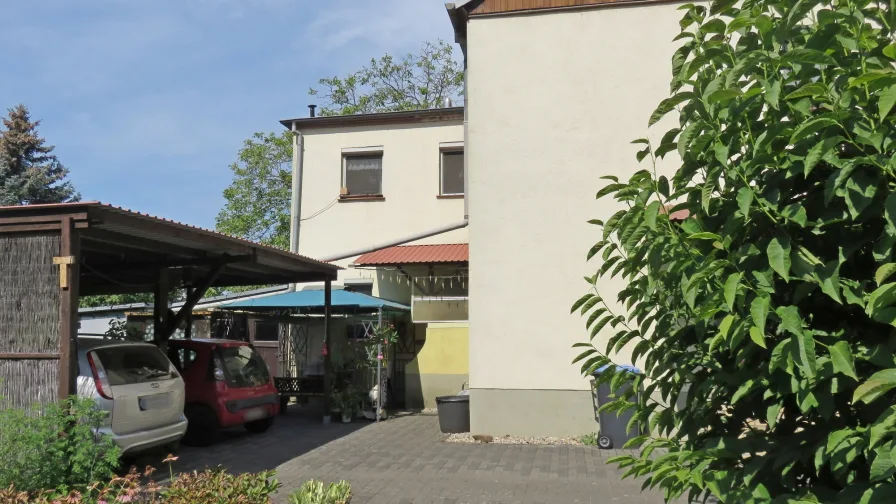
(403, 461)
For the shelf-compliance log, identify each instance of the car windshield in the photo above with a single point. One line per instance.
(244, 367)
(128, 364)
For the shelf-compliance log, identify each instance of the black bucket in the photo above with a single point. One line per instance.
(454, 413)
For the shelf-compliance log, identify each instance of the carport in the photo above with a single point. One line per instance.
(50, 255)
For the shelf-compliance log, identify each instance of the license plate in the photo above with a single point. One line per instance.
(255, 414)
(156, 401)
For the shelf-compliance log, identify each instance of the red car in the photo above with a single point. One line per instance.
(227, 384)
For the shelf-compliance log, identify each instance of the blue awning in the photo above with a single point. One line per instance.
(314, 299)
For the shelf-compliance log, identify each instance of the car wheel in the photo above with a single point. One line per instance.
(203, 428)
(259, 426)
(172, 448)
(126, 462)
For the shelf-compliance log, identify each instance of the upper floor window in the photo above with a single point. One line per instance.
(452, 169)
(362, 172)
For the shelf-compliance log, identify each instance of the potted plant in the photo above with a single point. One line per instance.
(344, 404)
(349, 404)
(336, 405)
(360, 401)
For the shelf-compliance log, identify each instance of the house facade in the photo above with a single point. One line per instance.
(556, 92)
(372, 188)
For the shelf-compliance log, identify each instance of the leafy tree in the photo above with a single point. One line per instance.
(764, 322)
(115, 299)
(257, 206)
(29, 171)
(258, 199)
(414, 82)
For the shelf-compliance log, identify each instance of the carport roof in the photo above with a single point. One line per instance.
(122, 251)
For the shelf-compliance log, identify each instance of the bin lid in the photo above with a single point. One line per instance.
(453, 399)
(630, 369)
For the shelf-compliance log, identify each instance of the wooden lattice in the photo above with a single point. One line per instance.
(29, 319)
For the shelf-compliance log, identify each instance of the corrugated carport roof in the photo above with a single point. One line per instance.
(124, 251)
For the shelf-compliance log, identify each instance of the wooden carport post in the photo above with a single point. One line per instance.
(69, 255)
(160, 310)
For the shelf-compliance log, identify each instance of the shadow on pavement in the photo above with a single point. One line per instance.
(296, 433)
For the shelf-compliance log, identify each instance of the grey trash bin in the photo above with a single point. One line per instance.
(454, 413)
(612, 426)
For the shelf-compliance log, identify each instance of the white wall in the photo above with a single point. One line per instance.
(411, 164)
(97, 323)
(555, 99)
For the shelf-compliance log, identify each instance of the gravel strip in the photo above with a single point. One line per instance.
(515, 440)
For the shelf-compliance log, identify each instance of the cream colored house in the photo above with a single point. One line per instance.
(556, 91)
(368, 182)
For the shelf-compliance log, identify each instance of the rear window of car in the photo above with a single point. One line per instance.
(243, 366)
(129, 364)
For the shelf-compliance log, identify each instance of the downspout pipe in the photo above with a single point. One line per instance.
(466, 142)
(298, 155)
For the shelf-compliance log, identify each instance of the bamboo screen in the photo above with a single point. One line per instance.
(29, 318)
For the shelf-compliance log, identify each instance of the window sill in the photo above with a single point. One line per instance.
(361, 197)
(450, 196)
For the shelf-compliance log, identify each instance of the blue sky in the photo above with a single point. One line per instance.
(148, 102)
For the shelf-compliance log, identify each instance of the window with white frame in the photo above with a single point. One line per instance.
(451, 177)
(362, 172)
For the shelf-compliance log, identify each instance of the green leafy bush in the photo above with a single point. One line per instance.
(764, 322)
(57, 448)
(215, 486)
(316, 492)
(212, 486)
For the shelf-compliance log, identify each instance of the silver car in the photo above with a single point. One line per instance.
(139, 387)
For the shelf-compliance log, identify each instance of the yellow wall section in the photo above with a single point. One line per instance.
(445, 351)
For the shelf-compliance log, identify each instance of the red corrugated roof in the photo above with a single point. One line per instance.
(416, 254)
(678, 215)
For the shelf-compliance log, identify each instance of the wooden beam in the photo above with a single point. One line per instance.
(126, 266)
(160, 308)
(193, 297)
(35, 228)
(95, 281)
(28, 356)
(50, 218)
(278, 260)
(172, 230)
(127, 242)
(68, 311)
(88, 289)
(41, 219)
